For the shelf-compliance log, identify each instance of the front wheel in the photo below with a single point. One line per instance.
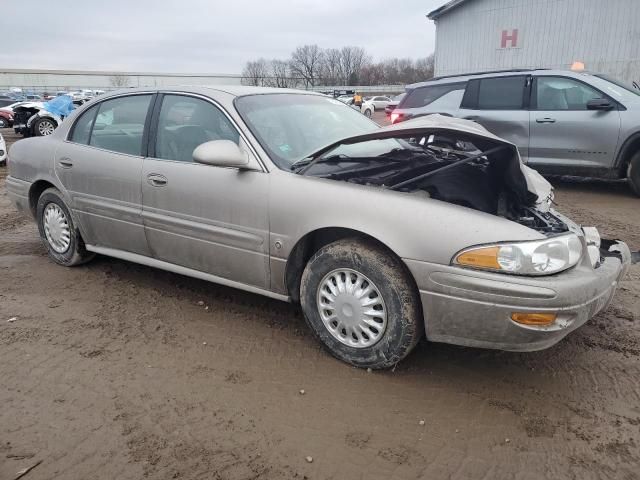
(633, 174)
(361, 303)
(4, 123)
(57, 231)
(44, 126)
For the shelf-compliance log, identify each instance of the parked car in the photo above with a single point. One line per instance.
(366, 108)
(3, 151)
(380, 103)
(393, 104)
(37, 119)
(563, 122)
(6, 119)
(6, 100)
(382, 235)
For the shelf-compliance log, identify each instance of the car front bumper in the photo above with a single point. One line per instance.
(473, 308)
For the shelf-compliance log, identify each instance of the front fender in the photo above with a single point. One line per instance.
(413, 226)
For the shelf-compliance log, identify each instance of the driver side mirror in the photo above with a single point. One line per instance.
(600, 104)
(221, 153)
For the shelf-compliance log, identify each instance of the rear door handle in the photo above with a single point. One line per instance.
(65, 162)
(157, 180)
(546, 120)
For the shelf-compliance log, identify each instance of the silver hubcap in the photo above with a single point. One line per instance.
(45, 128)
(56, 228)
(351, 308)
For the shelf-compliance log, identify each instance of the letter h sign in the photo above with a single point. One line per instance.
(509, 38)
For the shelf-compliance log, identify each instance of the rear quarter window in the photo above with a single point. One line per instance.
(423, 96)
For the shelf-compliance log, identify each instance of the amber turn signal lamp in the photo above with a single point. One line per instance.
(480, 257)
(538, 319)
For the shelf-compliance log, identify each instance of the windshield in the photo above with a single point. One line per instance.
(291, 127)
(629, 88)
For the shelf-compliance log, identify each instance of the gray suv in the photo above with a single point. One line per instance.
(563, 122)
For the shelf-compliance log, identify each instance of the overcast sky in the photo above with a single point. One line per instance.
(204, 36)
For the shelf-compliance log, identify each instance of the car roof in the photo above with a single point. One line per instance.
(444, 80)
(233, 90)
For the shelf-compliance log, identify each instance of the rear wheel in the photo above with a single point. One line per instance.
(633, 174)
(4, 123)
(57, 231)
(43, 127)
(361, 303)
(367, 113)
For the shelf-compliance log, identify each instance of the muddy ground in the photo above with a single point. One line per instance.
(117, 371)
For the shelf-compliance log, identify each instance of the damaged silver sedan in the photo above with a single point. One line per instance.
(431, 227)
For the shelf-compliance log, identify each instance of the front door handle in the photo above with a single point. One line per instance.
(546, 120)
(65, 162)
(156, 180)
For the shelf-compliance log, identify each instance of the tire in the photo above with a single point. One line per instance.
(43, 127)
(633, 174)
(400, 325)
(367, 113)
(51, 203)
(4, 123)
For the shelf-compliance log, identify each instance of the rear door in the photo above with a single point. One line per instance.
(100, 165)
(204, 217)
(500, 104)
(566, 137)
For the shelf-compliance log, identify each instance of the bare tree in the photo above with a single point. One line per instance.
(280, 74)
(255, 73)
(306, 62)
(119, 81)
(352, 59)
(425, 67)
(331, 70)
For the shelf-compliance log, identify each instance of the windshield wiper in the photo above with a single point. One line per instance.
(306, 163)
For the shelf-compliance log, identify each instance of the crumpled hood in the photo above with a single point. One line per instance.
(537, 185)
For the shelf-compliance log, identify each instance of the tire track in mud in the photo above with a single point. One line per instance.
(108, 376)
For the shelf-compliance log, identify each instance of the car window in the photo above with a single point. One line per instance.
(292, 126)
(557, 93)
(448, 101)
(501, 93)
(186, 122)
(119, 124)
(82, 128)
(423, 96)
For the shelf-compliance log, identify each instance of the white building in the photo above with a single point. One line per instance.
(53, 80)
(484, 35)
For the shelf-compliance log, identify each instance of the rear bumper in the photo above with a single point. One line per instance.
(472, 308)
(18, 193)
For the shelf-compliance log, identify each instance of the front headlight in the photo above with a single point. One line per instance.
(538, 257)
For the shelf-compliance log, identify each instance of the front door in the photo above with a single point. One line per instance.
(566, 137)
(100, 167)
(207, 218)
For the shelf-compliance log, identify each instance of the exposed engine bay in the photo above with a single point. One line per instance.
(452, 166)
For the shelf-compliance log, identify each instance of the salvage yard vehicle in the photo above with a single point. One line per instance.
(380, 103)
(367, 108)
(563, 122)
(391, 106)
(3, 151)
(431, 227)
(37, 119)
(6, 118)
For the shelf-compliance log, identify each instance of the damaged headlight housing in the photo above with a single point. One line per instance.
(538, 257)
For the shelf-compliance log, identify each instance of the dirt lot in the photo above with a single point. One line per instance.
(118, 371)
